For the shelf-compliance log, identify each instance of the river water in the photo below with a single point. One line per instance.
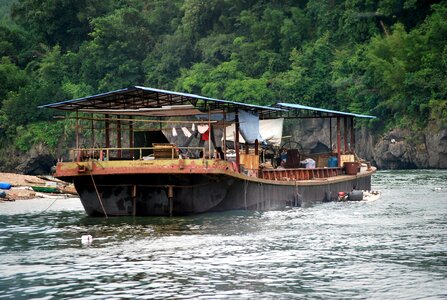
(391, 248)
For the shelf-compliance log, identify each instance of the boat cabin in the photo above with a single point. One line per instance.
(181, 130)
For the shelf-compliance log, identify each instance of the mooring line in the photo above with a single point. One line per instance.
(48, 207)
(65, 196)
(97, 194)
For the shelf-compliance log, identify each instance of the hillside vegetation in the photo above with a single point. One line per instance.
(385, 58)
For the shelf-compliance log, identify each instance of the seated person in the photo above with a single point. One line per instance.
(219, 154)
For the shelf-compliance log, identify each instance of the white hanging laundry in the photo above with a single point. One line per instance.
(186, 132)
(202, 128)
(193, 128)
(174, 132)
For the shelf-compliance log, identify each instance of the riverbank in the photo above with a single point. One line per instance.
(22, 187)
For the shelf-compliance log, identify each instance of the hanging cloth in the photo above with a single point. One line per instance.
(206, 135)
(193, 128)
(249, 126)
(202, 128)
(186, 132)
(174, 132)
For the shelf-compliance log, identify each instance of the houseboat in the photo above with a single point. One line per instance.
(148, 152)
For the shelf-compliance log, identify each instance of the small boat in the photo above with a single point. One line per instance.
(359, 195)
(371, 195)
(46, 189)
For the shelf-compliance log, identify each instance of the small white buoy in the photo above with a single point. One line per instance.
(86, 239)
(438, 189)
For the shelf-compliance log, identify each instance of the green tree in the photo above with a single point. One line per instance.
(114, 57)
(59, 22)
(309, 79)
(11, 78)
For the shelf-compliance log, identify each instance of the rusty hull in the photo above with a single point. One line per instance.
(189, 186)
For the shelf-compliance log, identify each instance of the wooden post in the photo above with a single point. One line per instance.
(352, 135)
(330, 134)
(78, 153)
(345, 131)
(107, 125)
(134, 200)
(256, 147)
(131, 143)
(338, 142)
(77, 130)
(236, 140)
(118, 135)
(93, 133)
(209, 133)
(224, 146)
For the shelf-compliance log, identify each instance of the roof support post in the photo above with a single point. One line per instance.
(118, 135)
(78, 153)
(352, 135)
(77, 130)
(209, 132)
(338, 142)
(224, 146)
(345, 131)
(107, 125)
(236, 139)
(93, 132)
(330, 134)
(131, 143)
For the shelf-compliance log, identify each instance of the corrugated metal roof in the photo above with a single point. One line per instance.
(138, 97)
(292, 106)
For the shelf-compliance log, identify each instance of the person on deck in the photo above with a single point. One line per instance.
(219, 154)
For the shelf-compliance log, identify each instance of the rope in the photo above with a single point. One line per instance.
(245, 193)
(97, 194)
(47, 207)
(65, 195)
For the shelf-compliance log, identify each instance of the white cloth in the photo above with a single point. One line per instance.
(202, 128)
(186, 132)
(193, 128)
(174, 132)
(270, 130)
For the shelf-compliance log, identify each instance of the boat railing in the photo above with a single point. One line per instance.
(160, 151)
(294, 174)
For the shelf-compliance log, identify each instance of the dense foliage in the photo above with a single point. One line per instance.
(386, 58)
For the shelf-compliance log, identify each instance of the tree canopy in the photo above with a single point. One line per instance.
(386, 58)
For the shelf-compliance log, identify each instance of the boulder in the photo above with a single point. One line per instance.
(37, 165)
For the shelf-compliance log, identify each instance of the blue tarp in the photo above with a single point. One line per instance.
(249, 126)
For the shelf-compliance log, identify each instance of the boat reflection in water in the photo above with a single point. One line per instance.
(158, 155)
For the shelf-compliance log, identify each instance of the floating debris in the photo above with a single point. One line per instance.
(86, 239)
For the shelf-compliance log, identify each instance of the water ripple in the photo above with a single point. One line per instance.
(391, 248)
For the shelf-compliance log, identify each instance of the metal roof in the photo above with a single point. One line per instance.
(139, 100)
(334, 113)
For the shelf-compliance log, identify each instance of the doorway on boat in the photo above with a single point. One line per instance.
(146, 138)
